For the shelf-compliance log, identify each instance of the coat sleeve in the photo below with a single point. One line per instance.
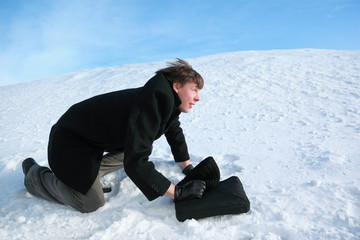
(176, 139)
(144, 124)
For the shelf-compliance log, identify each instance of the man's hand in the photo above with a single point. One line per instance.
(191, 190)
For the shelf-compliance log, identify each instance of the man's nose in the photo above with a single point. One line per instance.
(197, 97)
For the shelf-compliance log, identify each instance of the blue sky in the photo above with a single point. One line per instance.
(44, 38)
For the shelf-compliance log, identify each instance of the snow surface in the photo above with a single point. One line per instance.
(287, 123)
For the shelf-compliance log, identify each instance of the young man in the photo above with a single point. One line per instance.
(124, 124)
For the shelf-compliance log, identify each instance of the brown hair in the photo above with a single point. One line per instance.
(182, 72)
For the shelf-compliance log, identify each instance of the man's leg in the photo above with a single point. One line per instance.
(41, 182)
(111, 162)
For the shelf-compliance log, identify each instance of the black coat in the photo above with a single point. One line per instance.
(129, 120)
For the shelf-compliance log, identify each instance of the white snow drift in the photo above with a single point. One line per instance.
(287, 123)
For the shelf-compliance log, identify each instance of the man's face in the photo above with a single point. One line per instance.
(188, 94)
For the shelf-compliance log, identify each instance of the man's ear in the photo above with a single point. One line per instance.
(176, 86)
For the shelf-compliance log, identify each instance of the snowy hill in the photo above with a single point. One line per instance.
(287, 123)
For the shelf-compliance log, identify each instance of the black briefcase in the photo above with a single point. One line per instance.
(228, 197)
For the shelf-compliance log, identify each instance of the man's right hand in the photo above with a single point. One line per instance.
(191, 190)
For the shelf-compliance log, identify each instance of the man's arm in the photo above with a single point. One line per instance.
(176, 139)
(143, 125)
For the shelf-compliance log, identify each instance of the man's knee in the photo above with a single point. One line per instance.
(91, 205)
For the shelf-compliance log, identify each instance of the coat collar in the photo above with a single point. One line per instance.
(177, 100)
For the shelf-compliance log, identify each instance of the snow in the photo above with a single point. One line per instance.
(286, 122)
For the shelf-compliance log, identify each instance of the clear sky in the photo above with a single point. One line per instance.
(45, 38)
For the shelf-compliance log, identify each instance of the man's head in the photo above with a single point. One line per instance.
(182, 72)
(186, 83)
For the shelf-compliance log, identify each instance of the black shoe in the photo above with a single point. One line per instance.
(27, 164)
(106, 189)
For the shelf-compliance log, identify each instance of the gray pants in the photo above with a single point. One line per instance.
(41, 182)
